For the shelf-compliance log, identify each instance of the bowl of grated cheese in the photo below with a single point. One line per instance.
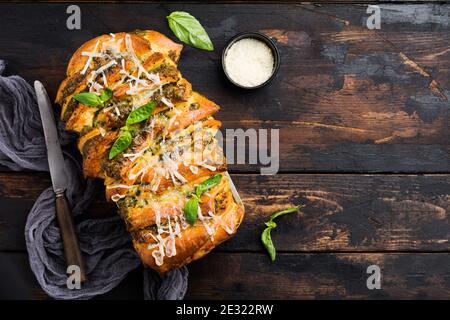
(250, 60)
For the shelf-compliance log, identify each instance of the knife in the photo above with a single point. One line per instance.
(59, 181)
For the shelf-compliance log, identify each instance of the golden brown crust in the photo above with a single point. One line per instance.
(94, 152)
(194, 244)
(162, 44)
(147, 181)
(82, 117)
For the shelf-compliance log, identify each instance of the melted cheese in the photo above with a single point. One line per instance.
(116, 197)
(164, 246)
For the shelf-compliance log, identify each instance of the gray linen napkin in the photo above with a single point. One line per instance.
(105, 244)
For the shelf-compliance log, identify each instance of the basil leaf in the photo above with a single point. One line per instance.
(191, 210)
(189, 30)
(88, 99)
(131, 129)
(142, 113)
(122, 142)
(283, 212)
(268, 244)
(207, 184)
(270, 224)
(266, 237)
(106, 95)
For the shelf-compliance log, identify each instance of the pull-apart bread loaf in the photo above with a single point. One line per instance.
(171, 157)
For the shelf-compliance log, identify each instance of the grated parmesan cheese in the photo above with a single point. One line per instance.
(249, 62)
(167, 102)
(105, 67)
(89, 60)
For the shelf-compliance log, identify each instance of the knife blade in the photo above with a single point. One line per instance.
(59, 178)
(54, 152)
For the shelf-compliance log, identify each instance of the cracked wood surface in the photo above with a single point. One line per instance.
(293, 276)
(346, 99)
(358, 213)
(324, 253)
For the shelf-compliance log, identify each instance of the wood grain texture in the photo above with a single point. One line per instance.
(346, 99)
(319, 276)
(342, 212)
(292, 276)
(22, 283)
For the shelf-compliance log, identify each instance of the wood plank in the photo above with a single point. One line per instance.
(319, 276)
(20, 283)
(292, 276)
(342, 212)
(347, 99)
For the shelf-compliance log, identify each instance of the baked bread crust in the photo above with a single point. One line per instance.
(151, 180)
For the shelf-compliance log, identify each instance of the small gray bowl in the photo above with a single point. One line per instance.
(257, 36)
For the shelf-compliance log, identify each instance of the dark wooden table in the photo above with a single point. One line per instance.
(364, 144)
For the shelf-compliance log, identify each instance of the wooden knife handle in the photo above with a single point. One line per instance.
(70, 242)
